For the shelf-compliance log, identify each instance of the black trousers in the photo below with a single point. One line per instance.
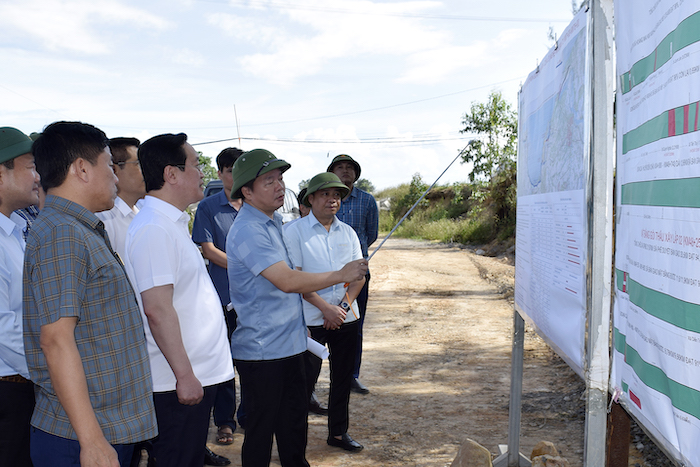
(276, 404)
(342, 343)
(16, 407)
(362, 306)
(182, 429)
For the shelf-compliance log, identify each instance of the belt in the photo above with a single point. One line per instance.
(14, 379)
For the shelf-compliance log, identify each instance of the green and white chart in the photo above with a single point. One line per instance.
(656, 335)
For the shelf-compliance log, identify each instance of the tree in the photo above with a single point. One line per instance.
(210, 173)
(496, 123)
(364, 184)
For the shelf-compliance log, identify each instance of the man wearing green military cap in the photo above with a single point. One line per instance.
(19, 188)
(317, 243)
(269, 342)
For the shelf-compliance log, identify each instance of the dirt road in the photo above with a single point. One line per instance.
(437, 360)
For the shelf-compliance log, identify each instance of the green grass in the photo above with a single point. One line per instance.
(459, 213)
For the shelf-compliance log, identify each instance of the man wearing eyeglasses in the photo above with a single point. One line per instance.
(130, 189)
(185, 329)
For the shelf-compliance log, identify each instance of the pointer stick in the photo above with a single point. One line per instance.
(416, 204)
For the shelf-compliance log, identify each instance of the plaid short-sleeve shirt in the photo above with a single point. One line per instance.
(70, 270)
(359, 211)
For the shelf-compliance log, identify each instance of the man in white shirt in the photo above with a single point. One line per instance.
(320, 243)
(19, 188)
(185, 327)
(130, 189)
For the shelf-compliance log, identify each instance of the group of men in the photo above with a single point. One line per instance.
(114, 332)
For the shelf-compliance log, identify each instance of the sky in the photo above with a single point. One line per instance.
(387, 82)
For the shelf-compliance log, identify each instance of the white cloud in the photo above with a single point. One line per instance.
(72, 24)
(328, 34)
(188, 57)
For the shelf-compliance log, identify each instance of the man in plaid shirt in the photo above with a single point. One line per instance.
(83, 333)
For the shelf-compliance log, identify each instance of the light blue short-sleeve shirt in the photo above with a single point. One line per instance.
(314, 249)
(270, 322)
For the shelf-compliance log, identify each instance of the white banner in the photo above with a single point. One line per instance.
(551, 232)
(656, 319)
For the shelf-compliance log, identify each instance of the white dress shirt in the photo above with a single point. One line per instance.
(159, 251)
(116, 221)
(12, 360)
(314, 249)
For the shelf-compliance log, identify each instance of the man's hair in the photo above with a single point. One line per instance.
(60, 144)
(301, 194)
(248, 185)
(118, 147)
(159, 152)
(9, 165)
(227, 157)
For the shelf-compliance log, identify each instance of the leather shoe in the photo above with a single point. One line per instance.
(316, 407)
(356, 386)
(345, 442)
(211, 458)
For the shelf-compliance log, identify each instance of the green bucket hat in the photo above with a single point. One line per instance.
(250, 165)
(345, 158)
(321, 182)
(13, 143)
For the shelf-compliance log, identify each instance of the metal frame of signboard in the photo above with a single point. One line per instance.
(599, 274)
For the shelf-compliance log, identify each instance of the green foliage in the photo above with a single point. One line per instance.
(365, 185)
(497, 125)
(415, 191)
(304, 183)
(210, 173)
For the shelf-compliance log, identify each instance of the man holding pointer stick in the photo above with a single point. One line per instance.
(269, 342)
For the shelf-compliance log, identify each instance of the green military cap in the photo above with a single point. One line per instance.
(345, 158)
(250, 165)
(321, 182)
(13, 143)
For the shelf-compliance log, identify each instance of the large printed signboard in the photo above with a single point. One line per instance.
(551, 239)
(656, 320)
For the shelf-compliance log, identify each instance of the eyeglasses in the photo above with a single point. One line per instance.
(122, 164)
(199, 167)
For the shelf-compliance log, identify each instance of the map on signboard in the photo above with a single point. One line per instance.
(552, 139)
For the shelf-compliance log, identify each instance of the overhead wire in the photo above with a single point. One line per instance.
(365, 12)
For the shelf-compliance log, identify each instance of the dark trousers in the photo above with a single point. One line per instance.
(225, 404)
(277, 404)
(342, 343)
(16, 407)
(362, 306)
(53, 451)
(182, 429)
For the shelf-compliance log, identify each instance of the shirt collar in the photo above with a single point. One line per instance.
(261, 216)
(165, 208)
(74, 209)
(124, 208)
(314, 222)
(222, 199)
(8, 224)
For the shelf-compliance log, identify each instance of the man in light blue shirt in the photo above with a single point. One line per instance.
(319, 243)
(269, 342)
(19, 188)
